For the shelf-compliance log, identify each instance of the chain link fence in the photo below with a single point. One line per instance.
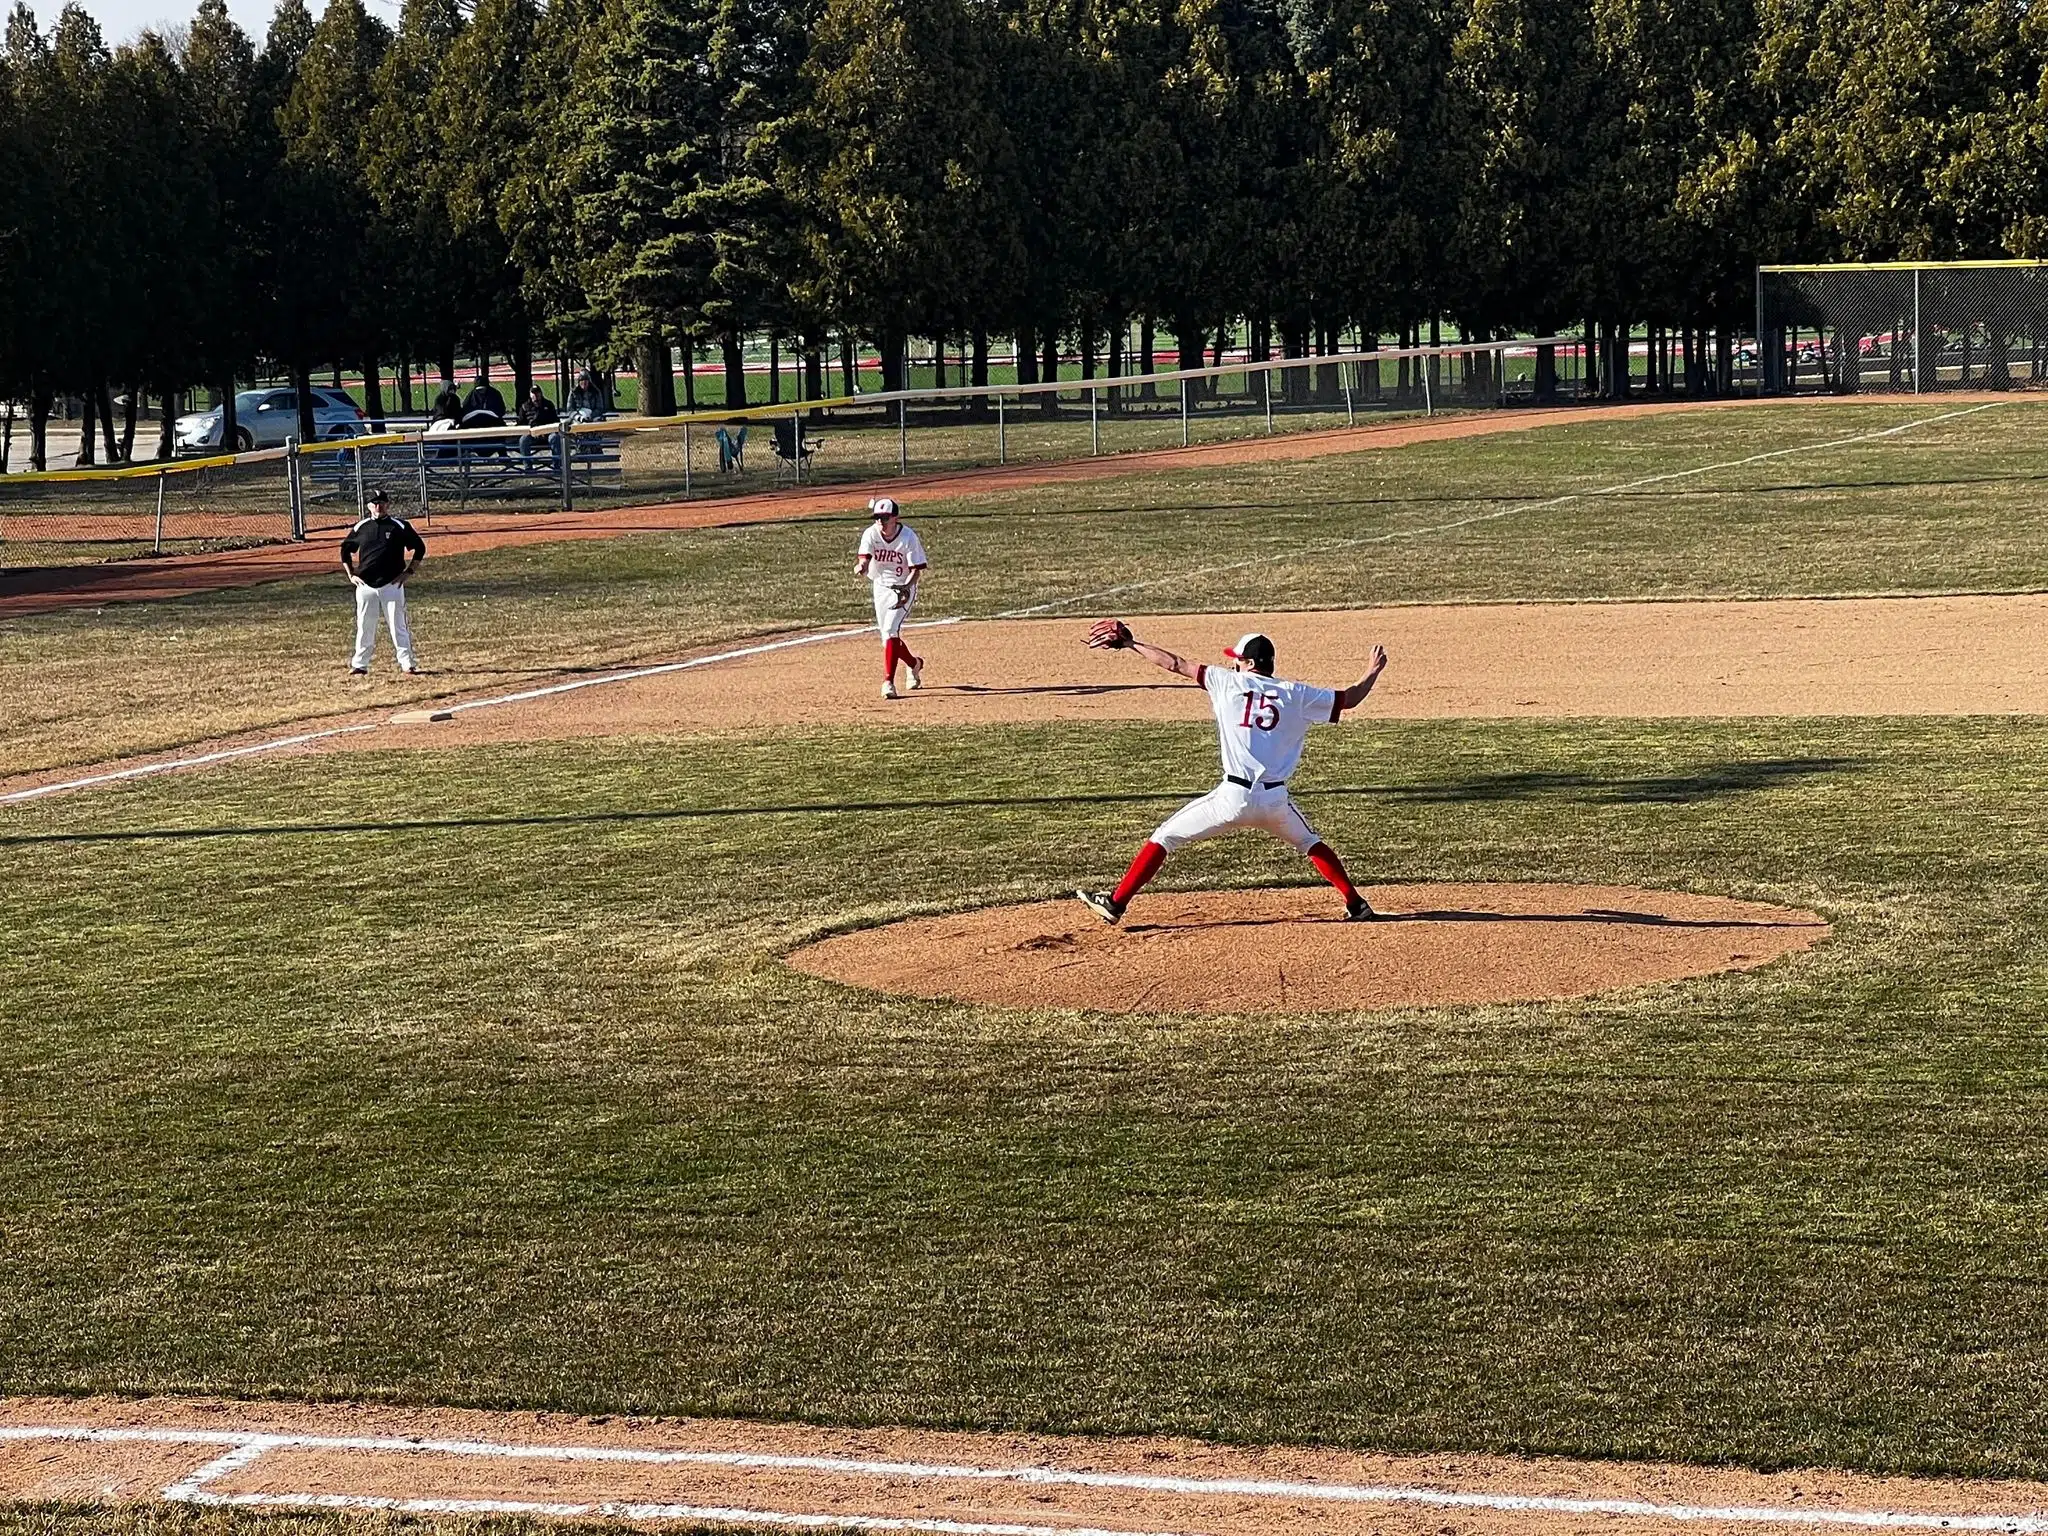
(458, 476)
(1903, 327)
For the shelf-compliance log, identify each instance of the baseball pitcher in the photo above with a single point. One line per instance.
(891, 556)
(1262, 723)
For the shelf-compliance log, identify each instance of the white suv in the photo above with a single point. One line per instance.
(264, 418)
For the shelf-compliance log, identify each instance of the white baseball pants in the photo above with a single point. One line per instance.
(1233, 808)
(888, 617)
(390, 602)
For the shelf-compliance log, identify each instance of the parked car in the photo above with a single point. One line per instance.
(264, 418)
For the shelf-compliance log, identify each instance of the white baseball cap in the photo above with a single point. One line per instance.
(883, 507)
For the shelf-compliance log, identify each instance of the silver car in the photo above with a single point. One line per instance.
(264, 418)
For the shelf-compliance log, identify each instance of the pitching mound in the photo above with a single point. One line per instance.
(1288, 951)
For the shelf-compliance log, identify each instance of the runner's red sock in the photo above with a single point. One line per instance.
(1331, 868)
(889, 657)
(1143, 868)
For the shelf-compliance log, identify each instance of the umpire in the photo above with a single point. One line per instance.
(379, 554)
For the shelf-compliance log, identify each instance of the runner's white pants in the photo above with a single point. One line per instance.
(390, 602)
(1233, 808)
(888, 617)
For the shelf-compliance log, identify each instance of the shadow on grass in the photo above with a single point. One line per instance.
(1714, 781)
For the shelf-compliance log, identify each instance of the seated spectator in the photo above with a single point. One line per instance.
(448, 404)
(586, 400)
(483, 396)
(536, 410)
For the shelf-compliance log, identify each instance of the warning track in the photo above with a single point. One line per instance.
(777, 1477)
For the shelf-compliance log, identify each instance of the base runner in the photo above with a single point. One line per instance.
(891, 556)
(1263, 723)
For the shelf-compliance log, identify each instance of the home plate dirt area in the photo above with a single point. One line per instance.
(749, 1476)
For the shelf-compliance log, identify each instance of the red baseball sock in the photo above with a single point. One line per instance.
(1143, 868)
(889, 657)
(1331, 868)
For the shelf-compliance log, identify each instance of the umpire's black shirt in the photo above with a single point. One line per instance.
(379, 546)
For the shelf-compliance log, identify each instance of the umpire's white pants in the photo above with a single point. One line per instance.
(1233, 808)
(390, 601)
(888, 617)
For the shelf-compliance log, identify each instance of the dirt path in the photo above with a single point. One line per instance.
(1772, 657)
(769, 1476)
(1867, 656)
(48, 589)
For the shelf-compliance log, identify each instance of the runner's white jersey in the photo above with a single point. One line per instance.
(890, 561)
(1262, 722)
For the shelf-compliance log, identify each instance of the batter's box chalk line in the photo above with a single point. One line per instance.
(244, 1449)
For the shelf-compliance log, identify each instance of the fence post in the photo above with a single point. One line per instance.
(426, 508)
(295, 487)
(1002, 432)
(360, 491)
(686, 457)
(1349, 378)
(562, 448)
(1916, 332)
(1184, 413)
(796, 442)
(1266, 378)
(902, 437)
(1428, 402)
(1094, 420)
(158, 547)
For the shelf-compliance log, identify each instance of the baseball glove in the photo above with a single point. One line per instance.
(1109, 635)
(903, 595)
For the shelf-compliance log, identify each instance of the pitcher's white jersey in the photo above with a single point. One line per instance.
(1262, 723)
(890, 561)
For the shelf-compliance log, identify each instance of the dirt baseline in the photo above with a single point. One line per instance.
(756, 1476)
(1188, 952)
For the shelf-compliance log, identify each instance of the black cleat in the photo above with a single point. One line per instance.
(1101, 904)
(1359, 910)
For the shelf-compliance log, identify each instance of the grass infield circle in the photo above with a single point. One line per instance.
(1288, 950)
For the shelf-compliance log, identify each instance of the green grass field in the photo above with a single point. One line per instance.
(474, 1076)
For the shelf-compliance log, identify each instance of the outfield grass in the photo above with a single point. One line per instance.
(475, 1078)
(1946, 507)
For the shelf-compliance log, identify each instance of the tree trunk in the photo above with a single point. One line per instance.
(129, 408)
(447, 362)
(1546, 375)
(1088, 348)
(774, 369)
(892, 344)
(166, 427)
(522, 368)
(373, 393)
(847, 375)
(1025, 351)
(88, 447)
(1049, 371)
(814, 371)
(1116, 364)
(1724, 360)
(7, 438)
(688, 348)
(39, 403)
(405, 386)
(977, 364)
(302, 386)
(1147, 343)
(1188, 340)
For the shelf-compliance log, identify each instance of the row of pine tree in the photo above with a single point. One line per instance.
(611, 179)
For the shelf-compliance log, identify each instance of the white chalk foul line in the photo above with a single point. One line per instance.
(169, 765)
(248, 1445)
(1330, 546)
